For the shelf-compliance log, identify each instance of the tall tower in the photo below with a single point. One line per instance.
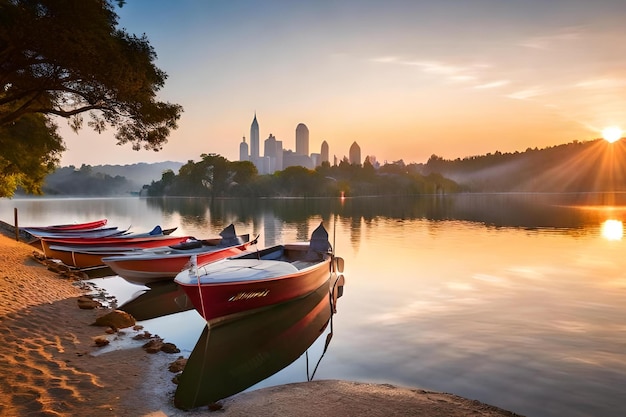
(355, 154)
(324, 152)
(302, 139)
(254, 140)
(243, 150)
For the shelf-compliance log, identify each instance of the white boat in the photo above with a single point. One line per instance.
(258, 279)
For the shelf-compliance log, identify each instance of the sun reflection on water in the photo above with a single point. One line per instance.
(612, 230)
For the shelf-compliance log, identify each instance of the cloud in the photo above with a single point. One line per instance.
(602, 83)
(385, 59)
(462, 78)
(476, 75)
(547, 42)
(452, 72)
(493, 84)
(526, 94)
(435, 67)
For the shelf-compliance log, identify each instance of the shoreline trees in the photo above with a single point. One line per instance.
(68, 59)
(214, 176)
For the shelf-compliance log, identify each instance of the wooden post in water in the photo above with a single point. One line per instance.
(17, 229)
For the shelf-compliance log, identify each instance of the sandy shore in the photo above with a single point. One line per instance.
(50, 365)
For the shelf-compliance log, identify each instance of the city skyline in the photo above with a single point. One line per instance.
(275, 157)
(404, 79)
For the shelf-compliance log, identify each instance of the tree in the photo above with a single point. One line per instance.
(30, 150)
(299, 181)
(368, 172)
(244, 172)
(67, 58)
(217, 175)
(190, 180)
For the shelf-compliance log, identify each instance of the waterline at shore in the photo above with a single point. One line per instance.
(49, 366)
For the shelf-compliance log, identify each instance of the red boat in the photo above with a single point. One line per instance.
(87, 241)
(163, 263)
(68, 227)
(90, 255)
(244, 283)
(76, 234)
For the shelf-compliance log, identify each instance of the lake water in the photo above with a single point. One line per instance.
(518, 301)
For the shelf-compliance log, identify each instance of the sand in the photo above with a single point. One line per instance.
(50, 364)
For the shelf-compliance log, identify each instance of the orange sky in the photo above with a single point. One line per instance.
(405, 79)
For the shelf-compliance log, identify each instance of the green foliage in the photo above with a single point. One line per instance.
(211, 177)
(297, 181)
(593, 166)
(245, 171)
(31, 149)
(189, 181)
(67, 58)
(214, 176)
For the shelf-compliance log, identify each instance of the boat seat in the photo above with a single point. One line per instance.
(243, 270)
(190, 244)
(303, 264)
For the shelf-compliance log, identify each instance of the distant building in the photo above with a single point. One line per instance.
(279, 155)
(275, 158)
(243, 150)
(273, 152)
(264, 165)
(254, 140)
(259, 162)
(316, 159)
(269, 146)
(355, 154)
(324, 152)
(302, 139)
(291, 158)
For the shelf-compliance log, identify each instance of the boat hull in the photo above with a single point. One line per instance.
(77, 258)
(117, 243)
(91, 256)
(145, 269)
(225, 299)
(110, 240)
(69, 227)
(225, 362)
(98, 233)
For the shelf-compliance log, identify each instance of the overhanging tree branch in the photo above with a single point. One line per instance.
(67, 58)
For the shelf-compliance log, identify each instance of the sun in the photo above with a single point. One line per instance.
(612, 230)
(612, 134)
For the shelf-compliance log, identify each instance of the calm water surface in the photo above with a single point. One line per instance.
(513, 300)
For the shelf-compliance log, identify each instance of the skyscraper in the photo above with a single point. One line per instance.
(273, 152)
(324, 152)
(243, 150)
(355, 154)
(302, 139)
(254, 140)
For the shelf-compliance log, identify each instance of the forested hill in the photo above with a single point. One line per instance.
(592, 166)
(141, 173)
(101, 180)
(575, 167)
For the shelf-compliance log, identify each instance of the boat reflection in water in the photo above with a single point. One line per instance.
(231, 356)
(157, 300)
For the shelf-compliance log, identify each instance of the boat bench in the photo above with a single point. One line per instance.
(303, 264)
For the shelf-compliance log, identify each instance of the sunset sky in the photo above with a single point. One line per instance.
(404, 79)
